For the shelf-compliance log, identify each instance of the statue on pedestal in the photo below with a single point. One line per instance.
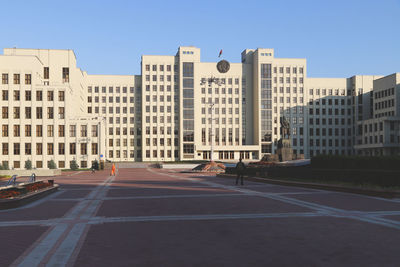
(284, 148)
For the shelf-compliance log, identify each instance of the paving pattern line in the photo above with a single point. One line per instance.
(63, 253)
(329, 211)
(67, 247)
(100, 220)
(40, 251)
(36, 256)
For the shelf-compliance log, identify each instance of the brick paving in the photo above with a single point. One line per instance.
(155, 217)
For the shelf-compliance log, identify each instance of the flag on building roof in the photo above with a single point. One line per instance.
(220, 53)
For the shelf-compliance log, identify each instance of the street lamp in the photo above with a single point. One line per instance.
(219, 82)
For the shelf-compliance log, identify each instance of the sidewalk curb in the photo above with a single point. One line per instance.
(18, 202)
(346, 189)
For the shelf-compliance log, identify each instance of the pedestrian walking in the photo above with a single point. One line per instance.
(113, 170)
(240, 167)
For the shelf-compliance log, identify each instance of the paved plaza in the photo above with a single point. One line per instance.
(156, 217)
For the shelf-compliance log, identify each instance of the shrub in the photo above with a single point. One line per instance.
(356, 162)
(1, 167)
(52, 165)
(95, 165)
(74, 166)
(28, 165)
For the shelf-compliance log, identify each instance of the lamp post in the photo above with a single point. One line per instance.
(211, 104)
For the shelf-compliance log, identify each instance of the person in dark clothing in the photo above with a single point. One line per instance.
(240, 167)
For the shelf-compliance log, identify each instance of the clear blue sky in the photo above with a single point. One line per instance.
(338, 38)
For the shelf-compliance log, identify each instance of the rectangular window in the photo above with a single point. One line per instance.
(28, 95)
(65, 75)
(46, 72)
(4, 78)
(4, 112)
(4, 95)
(28, 130)
(83, 130)
(28, 79)
(61, 131)
(16, 79)
(4, 130)
(28, 149)
(83, 149)
(5, 148)
(61, 96)
(61, 148)
(72, 148)
(39, 149)
(39, 131)
(50, 149)
(16, 149)
(50, 131)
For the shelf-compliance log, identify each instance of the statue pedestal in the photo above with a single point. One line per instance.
(285, 151)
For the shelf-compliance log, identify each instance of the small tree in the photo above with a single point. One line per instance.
(73, 165)
(28, 164)
(52, 165)
(95, 164)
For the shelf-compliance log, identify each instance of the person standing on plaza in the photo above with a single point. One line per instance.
(113, 170)
(240, 167)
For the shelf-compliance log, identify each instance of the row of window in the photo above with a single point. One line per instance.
(223, 121)
(384, 93)
(329, 142)
(39, 164)
(111, 110)
(161, 98)
(111, 99)
(161, 67)
(124, 154)
(124, 142)
(329, 131)
(162, 130)
(163, 154)
(124, 120)
(161, 78)
(374, 139)
(123, 130)
(28, 95)
(289, 90)
(330, 102)
(216, 100)
(330, 111)
(162, 141)
(384, 104)
(17, 149)
(384, 114)
(50, 130)
(161, 88)
(17, 78)
(223, 90)
(330, 121)
(111, 89)
(28, 112)
(288, 80)
(288, 69)
(330, 92)
(289, 100)
(314, 152)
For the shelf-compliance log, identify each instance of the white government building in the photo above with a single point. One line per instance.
(52, 110)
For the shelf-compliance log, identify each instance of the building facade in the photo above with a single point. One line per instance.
(180, 108)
